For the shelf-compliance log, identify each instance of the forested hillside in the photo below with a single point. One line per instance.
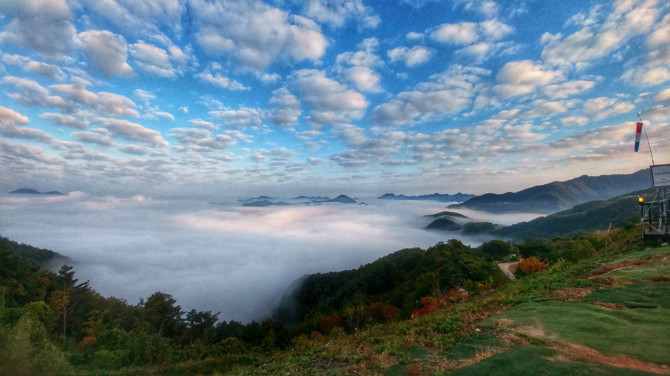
(391, 287)
(591, 216)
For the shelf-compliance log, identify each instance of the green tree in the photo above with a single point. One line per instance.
(163, 315)
(201, 325)
(67, 297)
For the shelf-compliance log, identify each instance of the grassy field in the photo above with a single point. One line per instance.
(620, 328)
(636, 295)
(638, 333)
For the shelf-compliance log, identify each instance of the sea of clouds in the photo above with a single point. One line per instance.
(215, 256)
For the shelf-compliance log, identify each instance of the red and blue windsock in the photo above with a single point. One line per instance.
(638, 133)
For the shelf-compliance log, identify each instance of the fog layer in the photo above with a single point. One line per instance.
(226, 258)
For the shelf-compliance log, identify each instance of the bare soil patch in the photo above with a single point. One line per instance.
(616, 266)
(572, 294)
(575, 351)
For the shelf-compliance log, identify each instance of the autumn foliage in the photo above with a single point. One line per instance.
(431, 304)
(531, 265)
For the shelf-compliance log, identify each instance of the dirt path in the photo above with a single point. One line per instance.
(505, 267)
(573, 350)
(568, 351)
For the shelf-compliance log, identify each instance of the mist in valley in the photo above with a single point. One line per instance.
(219, 257)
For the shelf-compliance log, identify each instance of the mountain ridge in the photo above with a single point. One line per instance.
(559, 195)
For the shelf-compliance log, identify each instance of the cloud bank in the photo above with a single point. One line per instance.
(219, 257)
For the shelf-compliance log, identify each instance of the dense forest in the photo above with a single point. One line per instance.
(52, 323)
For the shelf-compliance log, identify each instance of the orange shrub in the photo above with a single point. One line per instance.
(531, 265)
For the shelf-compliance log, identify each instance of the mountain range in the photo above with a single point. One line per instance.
(263, 201)
(560, 195)
(441, 197)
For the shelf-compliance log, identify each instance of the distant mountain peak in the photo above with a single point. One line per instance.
(343, 199)
(30, 191)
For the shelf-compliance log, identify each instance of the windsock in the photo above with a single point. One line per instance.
(638, 133)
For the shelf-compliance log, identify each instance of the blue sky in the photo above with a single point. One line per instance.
(326, 97)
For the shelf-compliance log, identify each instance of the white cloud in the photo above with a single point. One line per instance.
(599, 38)
(364, 79)
(107, 51)
(522, 77)
(568, 89)
(525, 73)
(369, 150)
(203, 124)
(574, 120)
(134, 149)
(647, 76)
(357, 67)
(256, 34)
(447, 93)
(103, 102)
(64, 120)
(543, 109)
(152, 59)
(337, 13)
(285, 109)
(603, 107)
(98, 136)
(495, 29)
(523, 133)
(197, 139)
(487, 8)
(44, 26)
(43, 69)
(31, 93)
(242, 118)
(9, 117)
(331, 101)
(413, 35)
(412, 57)
(18, 154)
(142, 18)
(479, 40)
(462, 33)
(11, 126)
(133, 131)
(662, 96)
(365, 56)
(221, 81)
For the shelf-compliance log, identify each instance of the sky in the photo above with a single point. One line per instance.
(283, 97)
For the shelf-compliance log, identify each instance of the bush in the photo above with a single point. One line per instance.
(382, 313)
(152, 349)
(530, 265)
(580, 250)
(105, 359)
